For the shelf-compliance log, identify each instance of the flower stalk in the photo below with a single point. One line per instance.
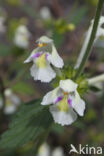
(91, 40)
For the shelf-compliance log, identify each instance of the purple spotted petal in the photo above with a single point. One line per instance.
(70, 102)
(36, 55)
(58, 99)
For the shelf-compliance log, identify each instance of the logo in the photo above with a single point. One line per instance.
(86, 150)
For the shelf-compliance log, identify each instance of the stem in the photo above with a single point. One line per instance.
(2, 89)
(91, 40)
(96, 79)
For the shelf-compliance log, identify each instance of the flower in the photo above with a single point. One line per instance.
(45, 13)
(58, 151)
(12, 102)
(44, 150)
(66, 100)
(100, 30)
(99, 33)
(2, 26)
(21, 38)
(2, 21)
(44, 55)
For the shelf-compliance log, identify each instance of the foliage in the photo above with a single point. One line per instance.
(30, 122)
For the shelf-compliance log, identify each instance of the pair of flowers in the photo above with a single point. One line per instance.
(45, 150)
(65, 98)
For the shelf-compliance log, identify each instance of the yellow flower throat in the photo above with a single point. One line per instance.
(63, 104)
(41, 61)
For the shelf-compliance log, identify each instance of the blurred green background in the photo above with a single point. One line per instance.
(66, 22)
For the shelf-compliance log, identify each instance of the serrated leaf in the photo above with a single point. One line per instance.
(30, 122)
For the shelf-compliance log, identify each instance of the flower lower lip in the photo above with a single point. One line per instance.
(58, 99)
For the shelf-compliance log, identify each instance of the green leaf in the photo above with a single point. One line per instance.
(23, 88)
(58, 38)
(29, 123)
(78, 15)
(12, 26)
(29, 10)
(58, 129)
(4, 50)
(90, 115)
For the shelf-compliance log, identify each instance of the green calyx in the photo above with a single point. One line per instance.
(69, 73)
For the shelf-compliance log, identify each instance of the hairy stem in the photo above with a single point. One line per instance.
(2, 89)
(91, 40)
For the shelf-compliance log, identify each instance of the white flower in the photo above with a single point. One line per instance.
(2, 26)
(58, 152)
(2, 20)
(12, 102)
(100, 32)
(100, 29)
(44, 55)
(21, 38)
(45, 13)
(66, 102)
(44, 150)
